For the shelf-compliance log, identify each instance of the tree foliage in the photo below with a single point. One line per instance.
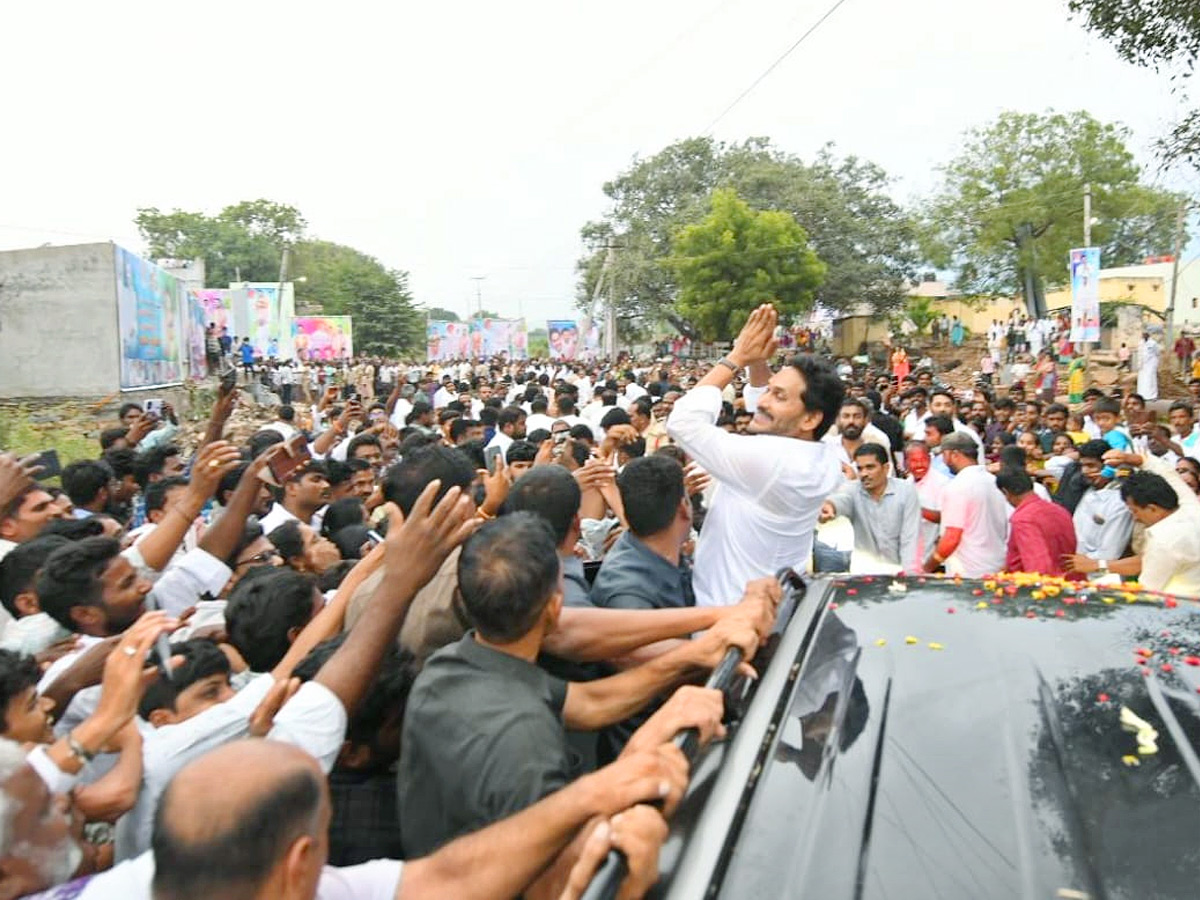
(737, 258)
(1157, 34)
(346, 282)
(439, 314)
(246, 239)
(1011, 202)
(866, 240)
(920, 311)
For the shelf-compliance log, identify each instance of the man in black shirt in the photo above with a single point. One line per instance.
(484, 731)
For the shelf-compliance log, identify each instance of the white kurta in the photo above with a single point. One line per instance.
(1147, 381)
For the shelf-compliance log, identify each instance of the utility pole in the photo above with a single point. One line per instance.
(478, 279)
(1179, 221)
(1087, 215)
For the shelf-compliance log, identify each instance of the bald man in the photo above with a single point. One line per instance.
(250, 820)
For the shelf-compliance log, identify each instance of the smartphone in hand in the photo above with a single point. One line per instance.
(51, 467)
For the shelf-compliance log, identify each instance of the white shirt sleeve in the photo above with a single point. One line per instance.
(181, 586)
(378, 879)
(57, 781)
(315, 721)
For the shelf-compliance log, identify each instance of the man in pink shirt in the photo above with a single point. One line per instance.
(1040, 533)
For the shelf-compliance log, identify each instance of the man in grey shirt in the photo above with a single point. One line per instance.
(1103, 523)
(885, 511)
(645, 569)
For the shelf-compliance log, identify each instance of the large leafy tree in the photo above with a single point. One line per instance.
(1011, 203)
(440, 314)
(346, 282)
(737, 258)
(867, 241)
(243, 242)
(1158, 34)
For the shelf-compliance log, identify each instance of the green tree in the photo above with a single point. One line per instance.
(246, 239)
(920, 312)
(346, 282)
(1011, 203)
(438, 314)
(736, 258)
(866, 239)
(539, 343)
(1157, 34)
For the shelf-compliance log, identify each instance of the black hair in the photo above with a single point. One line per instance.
(460, 427)
(539, 405)
(510, 415)
(1106, 405)
(1014, 481)
(406, 480)
(201, 658)
(382, 704)
(1055, 409)
(73, 529)
(615, 416)
(855, 401)
(644, 406)
(110, 436)
(1146, 488)
(121, 461)
(286, 413)
(349, 540)
(634, 449)
(1094, 449)
(288, 540)
(823, 390)
(1005, 403)
(263, 607)
(489, 415)
(538, 436)
(651, 488)
(85, 479)
(942, 424)
(70, 577)
(127, 408)
(18, 570)
(155, 494)
(362, 440)
(582, 432)
(874, 450)
(235, 861)
(1012, 457)
(521, 451)
(1182, 405)
(342, 513)
(331, 579)
(550, 492)
(18, 673)
(261, 440)
(507, 572)
(152, 462)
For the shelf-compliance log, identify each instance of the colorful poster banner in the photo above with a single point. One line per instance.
(498, 337)
(218, 306)
(323, 338)
(196, 334)
(151, 323)
(1085, 294)
(447, 340)
(564, 338)
(263, 325)
(593, 342)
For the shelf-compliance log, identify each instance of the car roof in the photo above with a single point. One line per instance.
(946, 738)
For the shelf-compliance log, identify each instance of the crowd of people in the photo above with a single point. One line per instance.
(430, 630)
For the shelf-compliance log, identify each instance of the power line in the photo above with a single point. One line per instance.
(771, 68)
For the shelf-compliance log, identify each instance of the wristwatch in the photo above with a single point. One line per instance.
(729, 364)
(1101, 567)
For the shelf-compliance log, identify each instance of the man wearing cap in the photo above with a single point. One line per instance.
(974, 518)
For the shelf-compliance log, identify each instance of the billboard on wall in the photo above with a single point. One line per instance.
(264, 314)
(196, 334)
(447, 340)
(496, 337)
(322, 338)
(564, 338)
(151, 322)
(1085, 294)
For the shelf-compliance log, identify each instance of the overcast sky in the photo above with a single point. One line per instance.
(472, 139)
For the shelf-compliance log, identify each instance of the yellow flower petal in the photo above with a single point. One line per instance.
(910, 640)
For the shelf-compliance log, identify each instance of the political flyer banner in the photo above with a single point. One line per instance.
(218, 306)
(151, 323)
(196, 335)
(564, 338)
(264, 314)
(498, 337)
(322, 338)
(592, 338)
(447, 340)
(1085, 294)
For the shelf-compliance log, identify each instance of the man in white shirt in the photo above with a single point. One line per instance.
(771, 483)
(537, 418)
(446, 394)
(974, 515)
(304, 495)
(931, 486)
(1171, 557)
(510, 426)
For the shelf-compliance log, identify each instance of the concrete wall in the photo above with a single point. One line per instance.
(58, 322)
